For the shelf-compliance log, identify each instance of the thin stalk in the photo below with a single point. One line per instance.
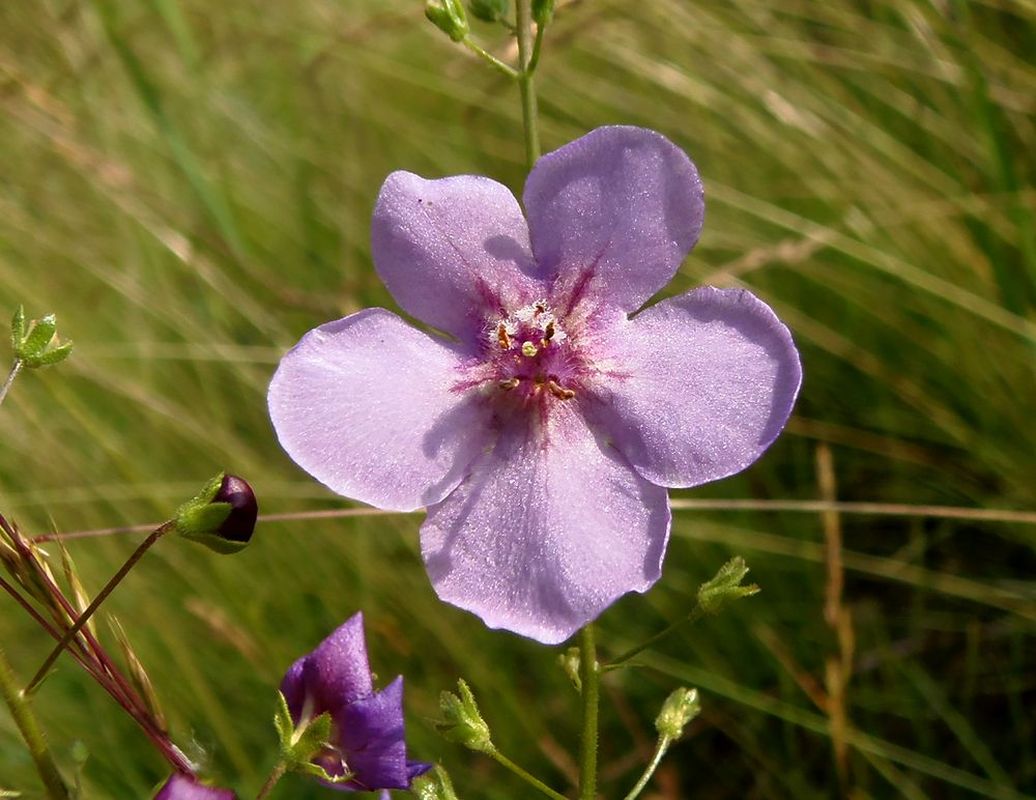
(16, 367)
(537, 46)
(109, 587)
(660, 751)
(492, 60)
(525, 82)
(31, 732)
(275, 776)
(695, 614)
(590, 676)
(532, 780)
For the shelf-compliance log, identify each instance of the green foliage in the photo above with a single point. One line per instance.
(449, 17)
(868, 170)
(461, 720)
(489, 10)
(35, 347)
(435, 785)
(725, 586)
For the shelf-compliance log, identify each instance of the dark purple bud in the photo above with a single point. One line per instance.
(244, 509)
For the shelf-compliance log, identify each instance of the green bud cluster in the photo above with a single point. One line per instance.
(449, 17)
(462, 722)
(35, 344)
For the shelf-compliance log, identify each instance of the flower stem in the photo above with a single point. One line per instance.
(275, 776)
(532, 780)
(525, 82)
(660, 751)
(31, 732)
(492, 60)
(83, 618)
(16, 367)
(590, 676)
(695, 614)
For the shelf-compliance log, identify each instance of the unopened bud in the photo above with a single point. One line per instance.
(725, 586)
(570, 661)
(489, 10)
(462, 722)
(435, 785)
(222, 516)
(679, 709)
(37, 346)
(542, 11)
(449, 17)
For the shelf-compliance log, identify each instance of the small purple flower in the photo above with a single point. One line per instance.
(181, 787)
(366, 726)
(542, 432)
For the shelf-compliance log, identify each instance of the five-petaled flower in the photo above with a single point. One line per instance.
(182, 787)
(541, 432)
(366, 726)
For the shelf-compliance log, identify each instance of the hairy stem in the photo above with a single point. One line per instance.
(532, 780)
(590, 676)
(660, 751)
(16, 367)
(525, 81)
(275, 776)
(31, 732)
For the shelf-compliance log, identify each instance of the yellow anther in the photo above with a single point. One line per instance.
(559, 392)
(510, 383)
(502, 337)
(529, 349)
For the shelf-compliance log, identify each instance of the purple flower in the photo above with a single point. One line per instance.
(181, 787)
(542, 431)
(366, 726)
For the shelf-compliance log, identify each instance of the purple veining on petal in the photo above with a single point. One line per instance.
(549, 387)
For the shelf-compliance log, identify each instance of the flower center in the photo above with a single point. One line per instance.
(531, 354)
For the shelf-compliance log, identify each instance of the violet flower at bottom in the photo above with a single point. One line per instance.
(182, 787)
(367, 739)
(543, 431)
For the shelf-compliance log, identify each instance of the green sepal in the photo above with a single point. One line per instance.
(462, 722)
(35, 342)
(199, 519)
(300, 745)
(434, 785)
(489, 10)
(17, 329)
(449, 17)
(570, 661)
(542, 11)
(725, 586)
(54, 355)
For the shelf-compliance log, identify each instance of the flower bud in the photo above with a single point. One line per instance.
(449, 17)
(679, 709)
(436, 785)
(462, 722)
(35, 347)
(570, 662)
(222, 516)
(725, 586)
(542, 11)
(488, 10)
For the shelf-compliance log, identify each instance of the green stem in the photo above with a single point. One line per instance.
(16, 367)
(275, 776)
(83, 618)
(480, 51)
(31, 732)
(537, 46)
(532, 780)
(696, 614)
(590, 676)
(660, 751)
(525, 82)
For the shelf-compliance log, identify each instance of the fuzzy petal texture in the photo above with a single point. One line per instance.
(699, 386)
(367, 406)
(180, 787)
(622, 206)
(452, 249)
(335, 673)
(550, 529)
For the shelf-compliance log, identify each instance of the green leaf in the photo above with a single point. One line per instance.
(35, 343)
(53, 356)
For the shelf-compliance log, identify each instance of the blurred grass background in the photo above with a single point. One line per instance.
(188, 185)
